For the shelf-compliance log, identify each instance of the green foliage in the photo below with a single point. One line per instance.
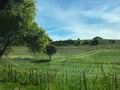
(17, 22)
(77, 42)
(3, 3)
(112, 41)
(95, 41)
(73, 68)
(66, 42)
(36, 38)
(50, 50)
(85, 42)
(15, 18)
(98, 38)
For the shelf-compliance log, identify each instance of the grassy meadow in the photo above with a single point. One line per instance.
(81, 67)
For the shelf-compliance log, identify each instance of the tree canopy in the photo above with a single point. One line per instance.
(3, 3)
(36, 38)
(17, 21)
(50, 50)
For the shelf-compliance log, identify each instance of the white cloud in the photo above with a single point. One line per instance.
(72, 20)
(109, 17)
(87, 32)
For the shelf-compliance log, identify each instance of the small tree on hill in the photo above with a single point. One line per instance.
(77, 43)
(95, 40)
(50, 50)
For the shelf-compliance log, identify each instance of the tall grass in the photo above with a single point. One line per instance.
(94, 70)
(60, 77)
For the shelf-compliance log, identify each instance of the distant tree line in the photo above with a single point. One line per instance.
(95, 41)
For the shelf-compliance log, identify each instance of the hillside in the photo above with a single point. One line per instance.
(23, 53)
(71, 68)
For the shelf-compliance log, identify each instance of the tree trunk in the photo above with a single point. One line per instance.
(2, 52)
(50, 57)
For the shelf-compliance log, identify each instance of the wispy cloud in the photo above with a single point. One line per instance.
(80, 19)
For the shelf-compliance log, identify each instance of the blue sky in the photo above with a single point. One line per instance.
(84, 19)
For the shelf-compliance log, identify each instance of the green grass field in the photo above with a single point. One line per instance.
(72, 68)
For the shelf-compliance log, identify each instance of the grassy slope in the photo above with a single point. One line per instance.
(22, 51)
(73, 59)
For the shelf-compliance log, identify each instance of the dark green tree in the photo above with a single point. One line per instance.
(77, 43)
(95, 41)
(112, 41)
(97, 38)
(50, 50)
(17, 21)
(3, 3)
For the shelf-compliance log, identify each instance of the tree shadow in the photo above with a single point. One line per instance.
(41, 61)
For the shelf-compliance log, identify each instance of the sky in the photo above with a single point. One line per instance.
(84, 19)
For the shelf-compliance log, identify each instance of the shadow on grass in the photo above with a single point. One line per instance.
(41, 61)
(26, 60)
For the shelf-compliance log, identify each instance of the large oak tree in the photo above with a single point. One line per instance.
(17, 21)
